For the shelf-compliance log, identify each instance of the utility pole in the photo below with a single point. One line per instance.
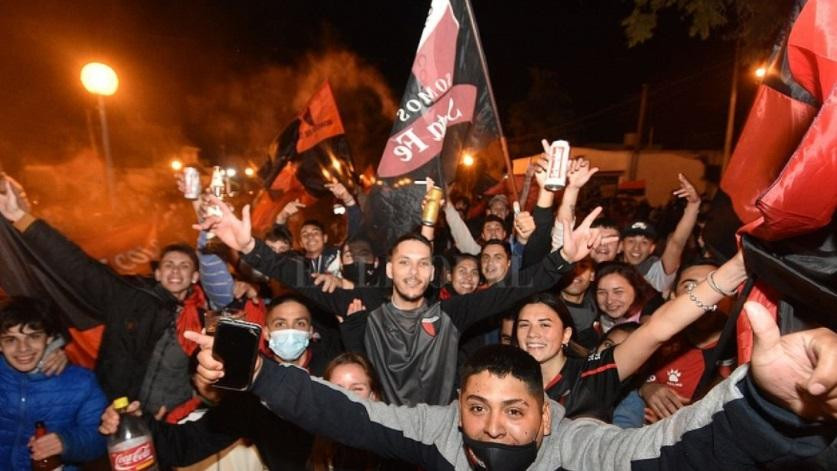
(733, 98)
(640, 123)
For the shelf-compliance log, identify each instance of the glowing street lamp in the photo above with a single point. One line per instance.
(100, 80)
(760, 72)
(467, 160)
(230, 172)
(176, 165)
(249, 171)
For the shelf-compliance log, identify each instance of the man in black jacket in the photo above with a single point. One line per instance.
(141, 355)
(412, 343)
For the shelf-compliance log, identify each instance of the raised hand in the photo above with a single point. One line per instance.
(340, 192)
(354, 307)
(580, 242)
(289, 210)
(12, 199)
(797, 371)
(328, 282)
(579, 172)
(234, 232)
(524, 226)
(210, 370)
(687, 190)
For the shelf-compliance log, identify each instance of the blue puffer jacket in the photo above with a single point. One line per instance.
(69, 404)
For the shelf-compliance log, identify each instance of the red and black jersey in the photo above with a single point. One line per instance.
(587, 387)
(679, 365)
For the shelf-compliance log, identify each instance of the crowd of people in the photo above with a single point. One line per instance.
(539, 339)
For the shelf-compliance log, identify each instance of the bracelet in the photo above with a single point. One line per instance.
(691, 291)
(711, 280)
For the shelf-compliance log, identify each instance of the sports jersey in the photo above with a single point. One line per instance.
(587, 387)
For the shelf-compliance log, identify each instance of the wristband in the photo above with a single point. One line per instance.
(711, 280)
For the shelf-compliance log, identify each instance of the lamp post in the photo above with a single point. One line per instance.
(100, 80)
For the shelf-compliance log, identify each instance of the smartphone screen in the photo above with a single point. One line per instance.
(236, 346)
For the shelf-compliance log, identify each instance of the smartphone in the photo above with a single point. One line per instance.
(236, 346)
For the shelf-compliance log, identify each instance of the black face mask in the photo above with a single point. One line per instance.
(359, 273)
(500, 457)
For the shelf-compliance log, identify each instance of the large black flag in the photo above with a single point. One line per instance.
(447, 110)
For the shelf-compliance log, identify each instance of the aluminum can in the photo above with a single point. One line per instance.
(217, 184)
(430, 213)
(191, 183)
(559, 159)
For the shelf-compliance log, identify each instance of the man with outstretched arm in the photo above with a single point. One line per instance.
(779, 409)
(411, 342)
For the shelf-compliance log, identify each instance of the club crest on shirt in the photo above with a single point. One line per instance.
(429, 325)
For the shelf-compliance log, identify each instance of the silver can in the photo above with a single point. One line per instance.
(191, 183)
(559, 158)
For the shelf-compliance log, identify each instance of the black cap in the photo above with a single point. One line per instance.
(643, 228)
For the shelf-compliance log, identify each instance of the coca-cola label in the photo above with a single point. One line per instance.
(135, 458)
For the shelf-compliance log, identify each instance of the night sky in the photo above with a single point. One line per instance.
(182, 63)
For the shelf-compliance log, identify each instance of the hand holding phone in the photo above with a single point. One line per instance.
(237, 347)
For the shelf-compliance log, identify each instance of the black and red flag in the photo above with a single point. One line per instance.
(780, 179)
(447, 110)
(309, 153)
(780, 176)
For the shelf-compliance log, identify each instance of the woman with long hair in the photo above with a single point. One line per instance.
(621, 294)
(590, 386)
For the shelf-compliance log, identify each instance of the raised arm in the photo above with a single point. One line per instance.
(468, 309)
(91, 280)
(216, 280)
(578, 175)
(674, 316)
(324, 409)
(287, 268)
(780, 409)
(354, 216)
(459, 232)
(677, 242)
(733, 427)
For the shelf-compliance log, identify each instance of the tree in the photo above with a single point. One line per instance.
(754, 22)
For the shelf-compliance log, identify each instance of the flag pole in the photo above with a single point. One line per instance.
(484, 65)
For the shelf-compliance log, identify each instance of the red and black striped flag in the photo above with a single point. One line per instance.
(309, 153)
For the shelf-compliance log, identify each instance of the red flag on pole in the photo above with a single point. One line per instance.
(309, 153)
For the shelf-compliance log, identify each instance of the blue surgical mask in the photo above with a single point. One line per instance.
(289, 344)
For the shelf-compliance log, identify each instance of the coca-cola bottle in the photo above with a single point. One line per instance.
(131, 447)
(50, 463)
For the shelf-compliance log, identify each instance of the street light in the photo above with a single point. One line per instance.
(760, 72)
(467, 160)
(100, 80)
(176, 165)
(230, 172)
(249, 171)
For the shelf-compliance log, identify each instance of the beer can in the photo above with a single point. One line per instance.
(430, 213)
(559, 160)
(217, 184)
(191, 183)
